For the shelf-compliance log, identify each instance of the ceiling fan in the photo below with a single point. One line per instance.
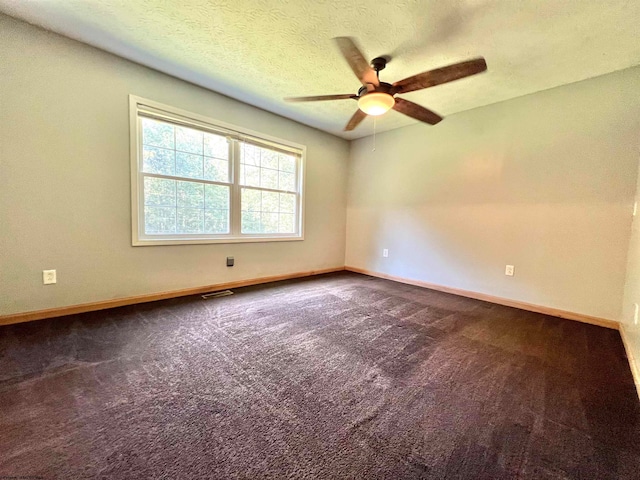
(376, 97)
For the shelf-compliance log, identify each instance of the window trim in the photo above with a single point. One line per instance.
(177, 115)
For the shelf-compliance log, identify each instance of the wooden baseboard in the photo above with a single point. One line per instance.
(119, 302)
(635, 368)
(601, 322)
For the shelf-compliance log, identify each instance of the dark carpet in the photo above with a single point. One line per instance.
(336, 376)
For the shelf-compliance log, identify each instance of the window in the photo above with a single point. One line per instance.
(195, 180)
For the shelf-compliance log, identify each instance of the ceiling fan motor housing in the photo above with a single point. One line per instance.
(382, 88)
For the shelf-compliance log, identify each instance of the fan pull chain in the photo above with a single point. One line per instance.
(374, 134)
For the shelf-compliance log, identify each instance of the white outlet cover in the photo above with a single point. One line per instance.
(509, 270)
(385, 252)
(49, 277)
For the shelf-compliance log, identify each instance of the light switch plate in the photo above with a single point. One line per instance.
(509, 270)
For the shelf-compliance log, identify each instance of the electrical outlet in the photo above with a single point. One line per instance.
(635, 313)
(509, 270)
(385, 252)
(49, 277)
(230, 262)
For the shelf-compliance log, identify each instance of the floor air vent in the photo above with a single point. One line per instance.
(223, 293)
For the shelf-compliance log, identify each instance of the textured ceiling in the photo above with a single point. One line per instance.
(259, 51)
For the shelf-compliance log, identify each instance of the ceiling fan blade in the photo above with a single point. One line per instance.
(414, 110)
(319, 98)
(355, 120)
(440, 75)
(356, 61)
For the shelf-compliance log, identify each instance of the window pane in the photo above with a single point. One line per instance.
(251, 200)
(250, 175)
(216, 197)
(268, 212)
(269, 222)
(190, 220)
(250, 154)
(189, 140)
(269, 159)
(188, 165)
(270, 202)
(268, 178)
(190, 194)
(159, 192)
(158, 160)
(251, 222)
(287, 163)
(158, 220)
(216, 170)
(158, 134)
(216, 146)
(267, 168)
(287, 202)
(216, 221)
(286, 223)
(287, 181)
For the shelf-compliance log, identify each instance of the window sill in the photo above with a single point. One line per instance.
(148, 242)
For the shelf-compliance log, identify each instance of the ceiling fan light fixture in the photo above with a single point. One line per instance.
(376, 103)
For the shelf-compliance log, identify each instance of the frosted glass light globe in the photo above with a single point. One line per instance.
(376, 103)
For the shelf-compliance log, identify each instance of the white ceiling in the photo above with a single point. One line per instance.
(259, 51)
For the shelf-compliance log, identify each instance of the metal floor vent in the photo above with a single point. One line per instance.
(222, 293)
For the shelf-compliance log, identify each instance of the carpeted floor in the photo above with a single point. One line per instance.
(336, 376)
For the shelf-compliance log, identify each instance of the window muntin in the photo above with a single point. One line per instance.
(198, 183)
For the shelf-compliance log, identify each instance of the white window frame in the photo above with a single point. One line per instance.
(148, 108)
